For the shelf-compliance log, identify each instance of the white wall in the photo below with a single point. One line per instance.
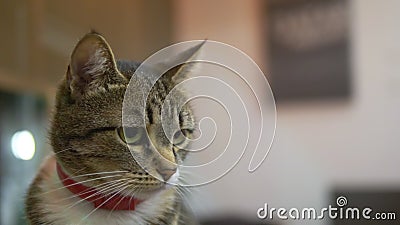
(319, 145)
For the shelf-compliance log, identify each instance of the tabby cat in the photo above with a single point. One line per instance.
(92, 176)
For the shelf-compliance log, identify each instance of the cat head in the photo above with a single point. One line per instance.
(87, 134)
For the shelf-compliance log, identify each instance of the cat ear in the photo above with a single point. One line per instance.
(180, 72)
(92, 64)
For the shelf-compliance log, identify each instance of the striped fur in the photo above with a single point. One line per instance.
(83, 136)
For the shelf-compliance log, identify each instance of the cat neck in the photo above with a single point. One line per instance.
(112, 201)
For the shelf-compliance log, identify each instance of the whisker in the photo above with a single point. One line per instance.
(90, 174)
(125, 179)
(58, 180)
(97, 173)
(110, 187)
(100, 194)
(103, 185)
(108, 199)
(119, 202)
(184, 198)
(85, 181)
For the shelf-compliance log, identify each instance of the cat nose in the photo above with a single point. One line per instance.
(167, 173)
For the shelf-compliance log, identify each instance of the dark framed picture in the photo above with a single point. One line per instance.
(308, 49)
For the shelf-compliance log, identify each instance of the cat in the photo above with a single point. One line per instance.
(92, 177)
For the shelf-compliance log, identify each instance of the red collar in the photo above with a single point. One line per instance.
(110, 201)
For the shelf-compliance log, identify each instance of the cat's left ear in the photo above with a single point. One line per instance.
(180, 72)
(92, 65)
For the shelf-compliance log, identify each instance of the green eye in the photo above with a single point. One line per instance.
(131, 136)
(179, 138)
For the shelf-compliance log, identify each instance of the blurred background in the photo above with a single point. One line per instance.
(334, 67)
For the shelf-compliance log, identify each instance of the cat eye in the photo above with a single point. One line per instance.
(130, 135)
(179, 137)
